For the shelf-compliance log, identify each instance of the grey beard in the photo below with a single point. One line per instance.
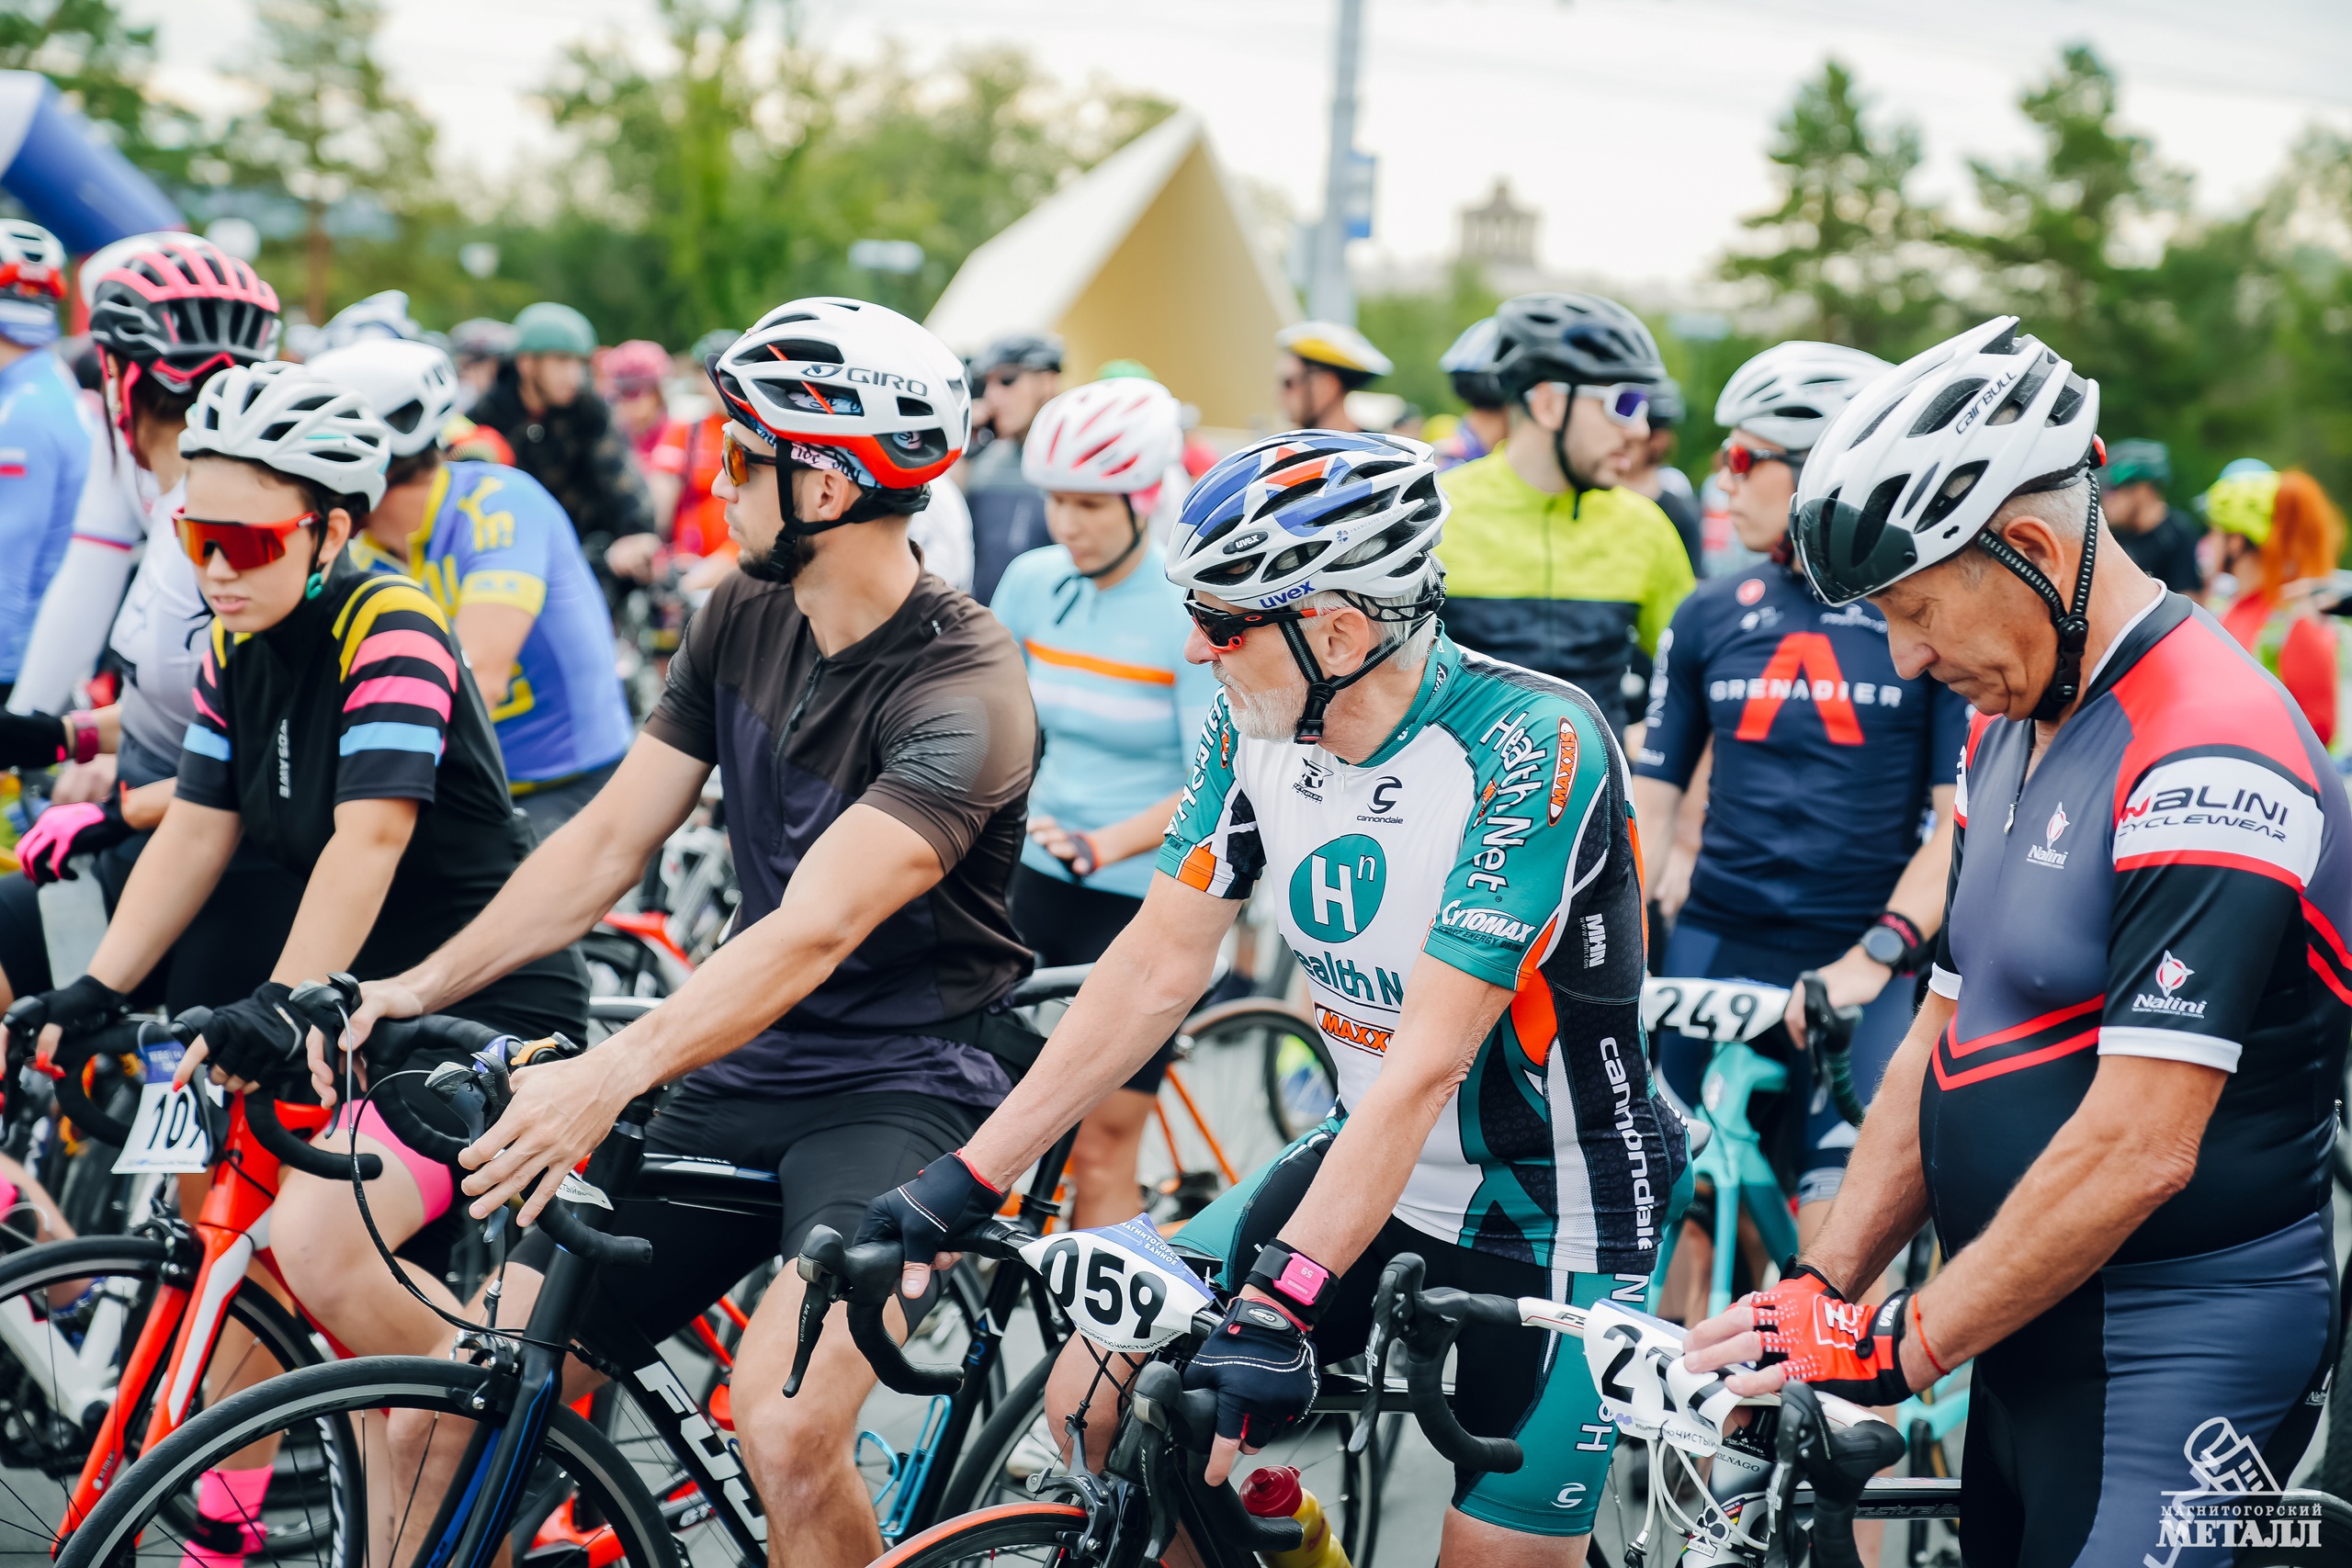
(1267, 716)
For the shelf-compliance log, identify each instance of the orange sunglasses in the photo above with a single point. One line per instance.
(246, 545)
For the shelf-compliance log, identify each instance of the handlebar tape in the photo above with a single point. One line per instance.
(261, 1115)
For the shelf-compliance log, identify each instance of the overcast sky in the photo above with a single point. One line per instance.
(1636, 127)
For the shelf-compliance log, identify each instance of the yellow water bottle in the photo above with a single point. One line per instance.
(1274, 1493)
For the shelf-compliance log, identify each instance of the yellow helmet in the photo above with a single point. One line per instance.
(1334, 347)
(2242, 504)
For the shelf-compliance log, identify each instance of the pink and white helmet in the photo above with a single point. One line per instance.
(1115, 437)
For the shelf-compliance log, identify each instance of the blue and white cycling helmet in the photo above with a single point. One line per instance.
(1471, 363)
(1311, 512)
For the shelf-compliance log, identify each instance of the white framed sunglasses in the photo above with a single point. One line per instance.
(1626, 403)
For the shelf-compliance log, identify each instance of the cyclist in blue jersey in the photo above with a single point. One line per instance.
(1486, 422)
(1825, 763)
(501, 559)
(44, 447)
(1103, 631)
(1448, 842)
(2125, 1073)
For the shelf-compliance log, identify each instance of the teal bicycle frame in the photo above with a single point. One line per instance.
(1733, 1160)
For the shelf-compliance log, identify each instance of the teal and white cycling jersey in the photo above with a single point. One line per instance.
(1493, 832)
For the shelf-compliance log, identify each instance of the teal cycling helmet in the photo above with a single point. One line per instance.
(551, 328)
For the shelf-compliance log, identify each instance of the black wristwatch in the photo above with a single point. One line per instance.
(1893, 940)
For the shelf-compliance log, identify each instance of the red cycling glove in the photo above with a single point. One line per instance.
(1847, 1348)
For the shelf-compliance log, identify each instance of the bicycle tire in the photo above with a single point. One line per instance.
(280, 1334)
(1291, 1058)
(988, 1450)
(113, 1534)
(987, 1536)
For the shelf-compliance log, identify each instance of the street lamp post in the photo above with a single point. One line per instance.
(1331, 294)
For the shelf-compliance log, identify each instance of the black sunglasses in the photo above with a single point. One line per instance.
(1225, 628)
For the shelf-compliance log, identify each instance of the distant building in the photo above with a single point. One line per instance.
(1502, 232)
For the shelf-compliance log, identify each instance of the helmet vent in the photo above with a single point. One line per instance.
(1797, 411)
(1218, 530)
(404, 418)
(2028, 388)
(913, 407)
(1362, 506)
(2069, 401)
(1226, 573)
(1293, 496)
(1952, 492)
(2005, 343)
(1948, 404)
(1876, 512)
(809, 351)
(1876, 420)
(280, 431)
(1372, 550)
(1298, 557)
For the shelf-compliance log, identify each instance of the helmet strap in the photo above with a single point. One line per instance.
(1321, 688)
(2072, 625)
(1576, 487)
(1135, 543)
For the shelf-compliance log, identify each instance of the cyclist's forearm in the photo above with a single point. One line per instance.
(346, 889)
(1139, 834)
(1883, 1199)
(173, 877)
(1656, 805)
(1145, 985)
(1447, 1017)
(2130, 1145)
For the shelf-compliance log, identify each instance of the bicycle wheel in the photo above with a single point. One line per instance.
(1010, 1446)
(69, 1312)
(366, 1489)
(1302, 1085)
(1017, 1532)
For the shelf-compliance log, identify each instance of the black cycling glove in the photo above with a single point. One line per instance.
(88, 1003)
(927, 1215)
(1262, 1369)
(257, 1039)
(33, 741)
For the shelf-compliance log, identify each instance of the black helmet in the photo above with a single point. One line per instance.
(1578, 338)
(1020, 350)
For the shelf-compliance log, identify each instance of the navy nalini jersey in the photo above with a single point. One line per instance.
(1824, 756)
(2174, 881)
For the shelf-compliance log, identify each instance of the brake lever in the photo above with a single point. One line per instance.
(823, 1268)
(1395, 1292)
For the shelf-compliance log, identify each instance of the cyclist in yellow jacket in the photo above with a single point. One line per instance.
(1550, 562)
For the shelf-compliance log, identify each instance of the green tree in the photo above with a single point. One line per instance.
(1847, 240)
(331, 128)
(1416, 329)
(102, 65)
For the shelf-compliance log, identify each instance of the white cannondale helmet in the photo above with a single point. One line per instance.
(286, 417)
(1116, 437)
(1790, 392)
(1915, 467)
(411, 387)
(856, 377)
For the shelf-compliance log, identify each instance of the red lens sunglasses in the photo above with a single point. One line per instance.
(247, 546)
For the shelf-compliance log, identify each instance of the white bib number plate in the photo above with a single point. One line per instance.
(1721, 1010)
(168, 1134)
(1121, 1285)
(1637, 1365)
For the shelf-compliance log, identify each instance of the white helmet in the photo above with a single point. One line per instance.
(1790, 392)
(411, 387)
(1115, 437)
(857, 379)
(1915, 467)
(32, 262)
(382, 317)
(1256, 532)
(286, 417)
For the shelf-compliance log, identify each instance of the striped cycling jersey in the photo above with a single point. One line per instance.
(359, 694)
(1119, 706)
(493, 535)
(1491, 832)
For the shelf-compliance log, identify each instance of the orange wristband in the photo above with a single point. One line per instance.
(1920, 1331)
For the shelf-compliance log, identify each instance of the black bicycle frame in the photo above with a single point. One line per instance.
(475, 1513)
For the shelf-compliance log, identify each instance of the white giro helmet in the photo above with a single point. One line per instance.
(411, 387)
(1116, 437)
(381, 317)
(853, 377)
(1790, 392)
(1915, 467)
(286, 417)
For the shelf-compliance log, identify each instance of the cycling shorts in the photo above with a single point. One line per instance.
(436, 1185)
(2175, 1384)
(831, 1154)
(1066, 924)
(1529, 1385)
(1827, 1139)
